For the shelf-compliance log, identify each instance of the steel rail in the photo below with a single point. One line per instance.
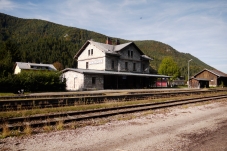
(58, 101)
(51, 119)
(87, 93)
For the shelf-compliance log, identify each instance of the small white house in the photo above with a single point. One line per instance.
(19, 66)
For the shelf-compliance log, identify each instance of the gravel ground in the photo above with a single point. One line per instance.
(191, 127)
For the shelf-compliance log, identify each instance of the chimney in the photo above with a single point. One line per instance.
(117, 42)
(109, 41)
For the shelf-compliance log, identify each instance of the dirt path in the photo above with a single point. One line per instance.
(182, 128)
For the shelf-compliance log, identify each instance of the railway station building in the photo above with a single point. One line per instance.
(108, 66)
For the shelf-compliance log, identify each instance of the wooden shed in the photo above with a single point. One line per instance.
(199, 83)
(214, 77)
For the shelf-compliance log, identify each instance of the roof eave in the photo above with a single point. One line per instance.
(85, 71)
(81, 49)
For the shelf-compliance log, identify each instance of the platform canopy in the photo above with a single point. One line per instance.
(88, 71)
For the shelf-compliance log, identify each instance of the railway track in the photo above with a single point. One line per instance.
(66, 117)
(47, 101)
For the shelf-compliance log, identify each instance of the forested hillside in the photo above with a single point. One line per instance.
(158, 51)
(38, 41)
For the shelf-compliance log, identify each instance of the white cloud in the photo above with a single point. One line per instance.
(194, 27)
(7, 5)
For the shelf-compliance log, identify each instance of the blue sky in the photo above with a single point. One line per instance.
(198, 27)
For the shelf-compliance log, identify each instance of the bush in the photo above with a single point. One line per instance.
(32, 81)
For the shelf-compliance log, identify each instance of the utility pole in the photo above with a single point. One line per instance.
(188, 71)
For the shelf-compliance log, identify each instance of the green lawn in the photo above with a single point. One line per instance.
(7, 94)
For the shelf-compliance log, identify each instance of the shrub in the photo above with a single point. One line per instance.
(32, 81)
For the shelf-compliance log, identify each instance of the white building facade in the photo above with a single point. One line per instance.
(107, 66)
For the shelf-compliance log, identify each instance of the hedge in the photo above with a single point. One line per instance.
(32, 81)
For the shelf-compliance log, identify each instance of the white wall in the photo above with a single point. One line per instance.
(74, 80)
(17, 70)
(95, 61)
(99, 61)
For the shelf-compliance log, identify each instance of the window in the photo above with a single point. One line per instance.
(130, 53)
(143, 66)
(112, 64)
(34, 67)
(134, 66)
(86, 65)
(93, 80)
(126, 65)
(91, 51)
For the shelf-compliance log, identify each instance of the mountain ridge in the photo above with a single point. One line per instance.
(35, 40)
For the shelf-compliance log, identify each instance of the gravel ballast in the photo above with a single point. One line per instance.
(189, 127)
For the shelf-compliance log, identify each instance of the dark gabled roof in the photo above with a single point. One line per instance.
(109, 49)
(89, 71)
(219, 73)
(216, 72)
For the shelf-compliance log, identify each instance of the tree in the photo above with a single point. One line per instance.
(58, 66)
(169, 67)
(6, 64)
